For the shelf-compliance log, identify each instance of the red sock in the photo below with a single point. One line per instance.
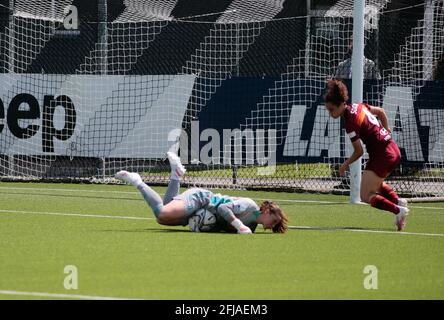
(388, 193)
(382, 203)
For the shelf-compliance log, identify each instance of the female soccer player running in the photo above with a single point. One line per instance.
(384, 155)
(234, 214)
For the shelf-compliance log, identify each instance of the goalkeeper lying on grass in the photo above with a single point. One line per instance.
(240, 215)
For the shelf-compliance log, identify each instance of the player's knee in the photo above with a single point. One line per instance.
(368, 197)
(160, 220)
(365, 196)
(164, 218)
(164, 221)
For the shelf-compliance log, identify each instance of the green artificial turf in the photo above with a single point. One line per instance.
(45, 227)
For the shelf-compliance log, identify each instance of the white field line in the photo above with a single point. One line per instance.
(70, 190)
(369, 231)
(58, 295)
(74, 214)
(136, 193)
(428, 208)
(140, 218)
(302, 201)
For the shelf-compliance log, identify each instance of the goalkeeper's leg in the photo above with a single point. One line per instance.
(177, 171)
(151, 197)
(173, 213)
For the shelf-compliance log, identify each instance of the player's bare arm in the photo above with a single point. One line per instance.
(358, 151)
(226, 213)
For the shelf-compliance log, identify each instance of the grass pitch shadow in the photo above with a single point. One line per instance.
(163, 230)
(338, 228)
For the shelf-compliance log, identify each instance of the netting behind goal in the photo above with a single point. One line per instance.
(234, 86)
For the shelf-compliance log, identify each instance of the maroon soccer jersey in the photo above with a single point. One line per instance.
(360, 123)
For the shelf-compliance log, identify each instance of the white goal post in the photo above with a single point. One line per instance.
(357, 90)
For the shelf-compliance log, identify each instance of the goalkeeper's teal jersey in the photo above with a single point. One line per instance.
(244, 209)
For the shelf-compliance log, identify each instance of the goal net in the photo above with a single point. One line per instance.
(235, 86)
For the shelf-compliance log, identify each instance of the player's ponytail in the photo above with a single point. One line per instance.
(337, 92)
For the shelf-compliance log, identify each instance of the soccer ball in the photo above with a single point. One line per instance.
(202, 221)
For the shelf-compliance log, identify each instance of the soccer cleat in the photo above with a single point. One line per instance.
(129, 177)
(401, 217)
(177, 169)
(402, 202)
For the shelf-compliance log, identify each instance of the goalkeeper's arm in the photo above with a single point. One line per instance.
(225, 212)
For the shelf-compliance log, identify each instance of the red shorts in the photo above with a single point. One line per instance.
(385, 161)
